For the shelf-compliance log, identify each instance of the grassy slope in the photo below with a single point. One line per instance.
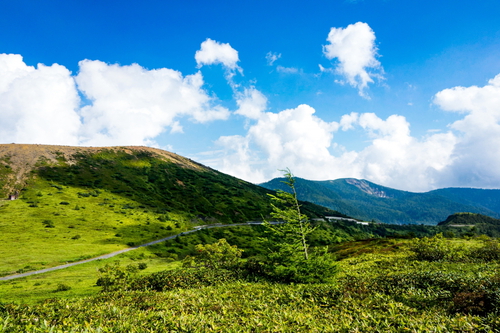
(82, 202)
(86, 227)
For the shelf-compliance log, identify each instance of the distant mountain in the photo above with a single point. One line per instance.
(368, 201)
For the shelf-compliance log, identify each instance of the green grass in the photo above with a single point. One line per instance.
(81, 278)
(39, 232)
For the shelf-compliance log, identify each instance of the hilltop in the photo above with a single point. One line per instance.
(17, 161)
(480, 223)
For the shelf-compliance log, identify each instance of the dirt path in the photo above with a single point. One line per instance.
(110, 255)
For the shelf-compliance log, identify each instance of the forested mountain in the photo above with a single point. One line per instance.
(365, 200)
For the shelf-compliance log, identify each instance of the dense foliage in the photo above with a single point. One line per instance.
(163, 185)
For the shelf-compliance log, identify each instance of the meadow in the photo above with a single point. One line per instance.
(383, 286)
(58, 224)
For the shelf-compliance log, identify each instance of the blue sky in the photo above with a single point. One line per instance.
(402, 93)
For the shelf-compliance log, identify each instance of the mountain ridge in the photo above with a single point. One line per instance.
(366, 200)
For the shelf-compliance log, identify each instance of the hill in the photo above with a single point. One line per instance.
(365, 200)
(480, 223)
(79, 202)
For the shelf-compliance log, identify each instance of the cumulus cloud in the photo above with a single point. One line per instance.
(476, 157)
(132, 104)
(298, 139)
(395, 158)
(293, 137)
(464, 155)
(251, 103)
(37, 105)
(127, 104)
(212, 52)
(354, 48)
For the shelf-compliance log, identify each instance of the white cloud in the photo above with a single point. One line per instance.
(212, 52)
(465, 155)
(325, 70)
(293, 137)
(37, 105)
(133, 105)
(354, 48)
(272, 57)
(251, 103)
(287, 70)
(476, 157)
(348, 120)
(128, 104)
(298, 139)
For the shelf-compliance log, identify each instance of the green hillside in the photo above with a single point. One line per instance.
(479, 223)
(485, 198)
(76, 203)
(365, 200)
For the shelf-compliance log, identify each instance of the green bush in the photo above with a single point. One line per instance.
(431, 248)
(490, 251)
(62, 287)
(48, 223)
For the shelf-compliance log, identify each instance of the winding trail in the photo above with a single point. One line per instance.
(112, 254)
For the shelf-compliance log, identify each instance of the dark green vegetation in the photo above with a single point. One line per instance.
(365, 200)
(477, 223)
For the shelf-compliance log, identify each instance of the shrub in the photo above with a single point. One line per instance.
(62, 287)
(490, 251)
(48, 224)
(114, 278)
(434, 248)
(184, 278)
